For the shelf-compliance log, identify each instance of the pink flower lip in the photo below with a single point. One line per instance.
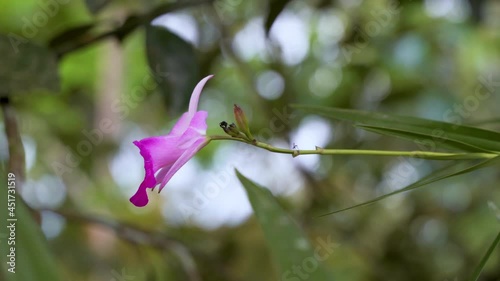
(165, 155)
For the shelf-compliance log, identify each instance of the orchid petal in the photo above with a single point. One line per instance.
(158, 152)
(196, 129)
(140, 198)
(195, 96)
(181, 125)
(188, 154)
(199, 122)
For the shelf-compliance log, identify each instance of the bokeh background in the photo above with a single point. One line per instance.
(87, 78)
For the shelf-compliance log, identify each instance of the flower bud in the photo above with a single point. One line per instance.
(242, 122)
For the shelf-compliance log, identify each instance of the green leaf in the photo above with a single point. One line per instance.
(275, 7)
(422, 141)
(452, 170)
(174, 61)
(485, 121)
(25, 66)
(289, 246)
(33, 260)
(465, 137)
(484, 260)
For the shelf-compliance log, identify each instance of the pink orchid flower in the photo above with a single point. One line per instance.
(165, 155)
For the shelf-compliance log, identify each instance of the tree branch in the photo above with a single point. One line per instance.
(140, 237)
(130, 24)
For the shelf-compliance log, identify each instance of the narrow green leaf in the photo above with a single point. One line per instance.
(484, 122)
(454, 169)
(484, 260)
(26, 66)
(33, 260)
(275, 7)
(174, 62)
(423, 141)
(289, 247)
(474, 139)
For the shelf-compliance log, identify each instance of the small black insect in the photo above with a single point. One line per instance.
(223, 125)
(230, 129)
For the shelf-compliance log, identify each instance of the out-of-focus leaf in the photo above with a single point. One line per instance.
(25, 66)
(454, 169)
(95, 6)
(484, 122)
(486, 257)
(468, 138)
(289, 246)
(173, 62)
(274, 9)
(33, 260)
(423, 141)
(70, 35)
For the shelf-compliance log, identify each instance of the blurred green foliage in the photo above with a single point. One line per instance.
(433, 59)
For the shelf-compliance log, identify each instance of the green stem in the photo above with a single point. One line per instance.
(323, 151)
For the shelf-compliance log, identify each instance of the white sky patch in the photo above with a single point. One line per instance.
(210, 198)
(127, 166)
(181, 24)
(401, 173)
(325, 80)
(276, 171)
(456, 197)
(330, 28)
(376, 87)
(250, 41)
(409, 51)
(30, 151)
(47, 192)
(215, 197)
(270, 85)
(312, 131)
(183, 179)
(226, 203)
(431, 232)
(4, 146)
(454, 10)
(292, 35)
(52, 224)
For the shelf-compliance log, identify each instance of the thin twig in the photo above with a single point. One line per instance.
(141, 237)
(16, 149)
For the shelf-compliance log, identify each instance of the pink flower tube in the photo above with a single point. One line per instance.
(165, 155)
